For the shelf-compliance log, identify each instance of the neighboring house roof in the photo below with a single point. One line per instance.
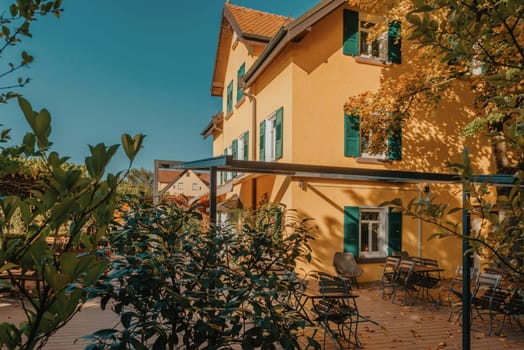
(166, 176)
(204, 177)
(249, 25)
(294, 31)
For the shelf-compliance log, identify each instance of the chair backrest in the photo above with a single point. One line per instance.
(391, 264)
(417, 260)
(405, 271)
(486, 291)
(430, 262)
(330, 284)
(345, 264)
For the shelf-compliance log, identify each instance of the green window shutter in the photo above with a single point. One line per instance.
(234, 150)
(351, 41)
(223, 174)
(394, 232)
(351, 135)
(246, 145)
(395, 145)
(351, 230)
(262, 154)
(394, 54)
(240, 74)
(229, 105)
(278, 133)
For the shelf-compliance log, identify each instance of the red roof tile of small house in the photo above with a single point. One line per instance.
(167, 176)
(257, 22)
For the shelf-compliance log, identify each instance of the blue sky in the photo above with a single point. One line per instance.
(109, 67)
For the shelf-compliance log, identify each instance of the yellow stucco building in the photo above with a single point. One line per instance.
(284, 83)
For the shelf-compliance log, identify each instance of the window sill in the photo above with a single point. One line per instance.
(372, 160)
(363, 260)
(241, 102)
(372, 61)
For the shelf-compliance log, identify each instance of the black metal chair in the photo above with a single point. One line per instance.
(428, 280)
(337, 311)
(346, 266)
(513, 309)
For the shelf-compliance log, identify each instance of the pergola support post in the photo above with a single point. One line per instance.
(466, 273)
(212, 196)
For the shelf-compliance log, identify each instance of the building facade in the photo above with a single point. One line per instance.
(284, 83)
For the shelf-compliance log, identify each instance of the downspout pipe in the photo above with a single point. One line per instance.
(253, 101)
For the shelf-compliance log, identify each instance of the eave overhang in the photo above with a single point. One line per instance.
(293, 32)
(214, 125)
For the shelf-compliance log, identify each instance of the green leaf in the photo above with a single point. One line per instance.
(43, 124)
(132, 145)
(6, 31)
(29, 114)
(13, 10)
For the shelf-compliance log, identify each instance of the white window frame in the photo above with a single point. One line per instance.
(240, 147)
(195, 186)
(180, 186)
(366, 48)
(382, 244)
(271, 137)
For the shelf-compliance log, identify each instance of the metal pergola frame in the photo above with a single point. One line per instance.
(228, 164)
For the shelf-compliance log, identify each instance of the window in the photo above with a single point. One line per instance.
(357, 27)
(357, 141)
(372, 232)
(228, 175)
(180, 186)
(229, 97)
(195, 186)
(271, 136)
(376, 48)
(240, 74)
(240, 147)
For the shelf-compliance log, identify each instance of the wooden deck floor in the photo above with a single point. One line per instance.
(420, 327)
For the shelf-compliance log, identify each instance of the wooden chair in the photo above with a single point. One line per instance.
(454, 291)
(488, 298)
(389, 274)
(404, 281)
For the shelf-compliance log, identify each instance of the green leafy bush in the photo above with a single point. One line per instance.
(175, 285)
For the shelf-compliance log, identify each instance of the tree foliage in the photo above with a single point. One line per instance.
(138, 181)
(479, 43)
(64, 201)
(175, 286)
(15, 24)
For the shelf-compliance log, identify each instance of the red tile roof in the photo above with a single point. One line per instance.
(257, 22)
(167, 176)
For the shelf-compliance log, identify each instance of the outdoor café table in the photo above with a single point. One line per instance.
(427, 277)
